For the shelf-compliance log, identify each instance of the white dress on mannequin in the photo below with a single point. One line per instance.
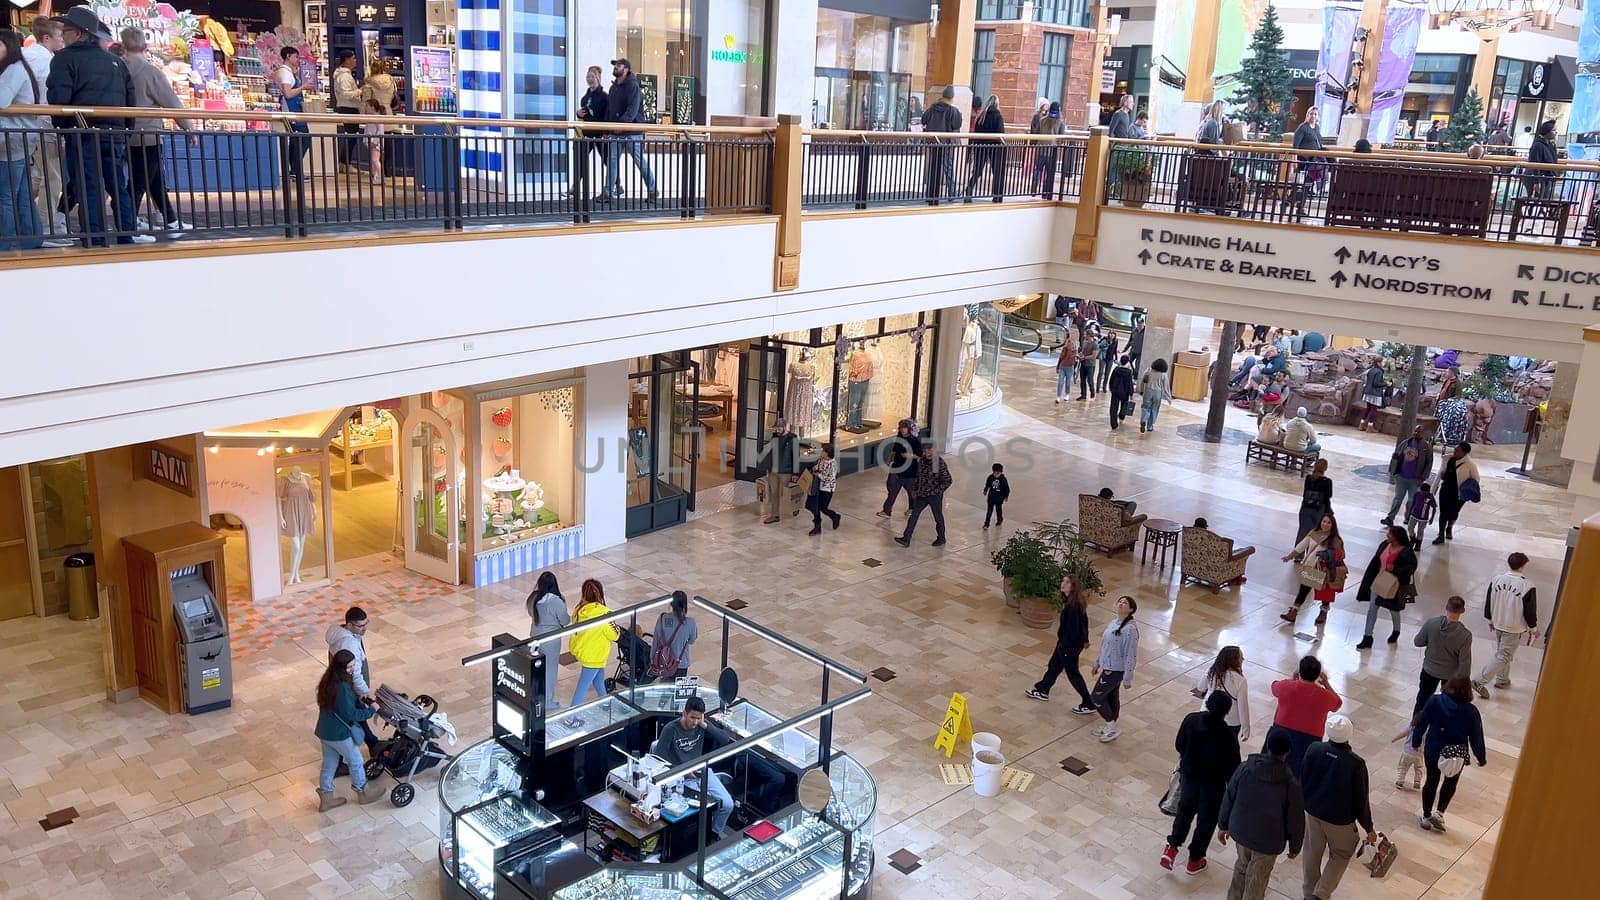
(297, 516)
(873, 408)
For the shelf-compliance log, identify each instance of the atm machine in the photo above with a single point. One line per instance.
(205, 663)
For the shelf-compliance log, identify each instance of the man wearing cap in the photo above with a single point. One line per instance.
(623, 105)
(85, 74)
(1335, 788)
(941, 117)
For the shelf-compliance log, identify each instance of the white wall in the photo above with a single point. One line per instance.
(242, 483)
(594, 42)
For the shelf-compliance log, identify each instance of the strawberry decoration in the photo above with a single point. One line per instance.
(501, 416)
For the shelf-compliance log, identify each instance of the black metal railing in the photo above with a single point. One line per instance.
(869, 169)
(99, 181)
(1493, 199)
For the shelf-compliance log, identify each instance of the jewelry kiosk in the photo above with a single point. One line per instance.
(525, 813)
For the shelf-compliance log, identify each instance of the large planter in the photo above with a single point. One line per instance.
(1036, 613)
(1134, 193)
(1011, 597)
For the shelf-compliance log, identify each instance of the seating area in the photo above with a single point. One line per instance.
(1403, 197)
(1211, 560)
(1277, 456)
(1106, 525)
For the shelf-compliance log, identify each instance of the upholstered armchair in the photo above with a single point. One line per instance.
(1208, 558)
(1106, 525)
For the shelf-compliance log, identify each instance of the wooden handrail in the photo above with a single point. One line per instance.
(232, 115)
(1014, 138)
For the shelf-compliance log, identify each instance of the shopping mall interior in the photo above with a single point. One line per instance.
(1208, 276)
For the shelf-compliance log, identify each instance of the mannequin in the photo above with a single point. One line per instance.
(800, 398)
(873, 407)
(860, 378)
(297, 516)
(971, 349)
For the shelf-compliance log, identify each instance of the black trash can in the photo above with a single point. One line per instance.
(82, 600)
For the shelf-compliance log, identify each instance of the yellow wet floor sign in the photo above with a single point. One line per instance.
(957, 726)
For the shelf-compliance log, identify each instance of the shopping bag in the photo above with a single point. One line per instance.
(1377, 857)
(1169, 800)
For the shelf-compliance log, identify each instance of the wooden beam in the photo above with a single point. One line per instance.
(952, 46)
(1091, 195)
(787, 189)
(1200, 78)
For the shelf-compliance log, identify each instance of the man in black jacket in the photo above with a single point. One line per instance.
(1262, 810)
(1208, 754)
(1336, 799)
(85, 74)
(904, 448)
(941, 118)
(933, 479)
(623, 105)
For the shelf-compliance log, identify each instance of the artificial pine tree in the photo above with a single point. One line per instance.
(1264, 94)
(1466, 125)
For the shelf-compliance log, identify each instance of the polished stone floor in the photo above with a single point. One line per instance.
(222, 805)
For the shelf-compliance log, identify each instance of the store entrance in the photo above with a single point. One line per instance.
(862, 101)
(431, 467)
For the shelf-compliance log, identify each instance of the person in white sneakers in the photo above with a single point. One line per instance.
(1512, 609)
(1119, 653)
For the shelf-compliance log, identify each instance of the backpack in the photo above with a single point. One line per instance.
(663, 661)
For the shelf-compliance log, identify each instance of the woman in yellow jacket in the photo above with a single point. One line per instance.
(592, 646)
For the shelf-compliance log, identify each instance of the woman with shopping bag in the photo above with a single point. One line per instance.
(1319, 565)
(1388, 582)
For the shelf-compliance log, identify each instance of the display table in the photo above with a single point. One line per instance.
(352, 440)
(221, 161)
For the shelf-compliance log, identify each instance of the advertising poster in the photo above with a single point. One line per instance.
(683, 99)
(1169, 48)
(430, 66)
(649, 91)
(1401, 29)
(1339, 23)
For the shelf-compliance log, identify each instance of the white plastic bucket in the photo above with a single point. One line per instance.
(985, 740)
(987, 766)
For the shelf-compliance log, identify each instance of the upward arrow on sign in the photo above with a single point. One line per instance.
(1338, 279)
(1144, 257)
(1342, 254)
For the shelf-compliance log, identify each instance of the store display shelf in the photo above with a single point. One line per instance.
(531, 554)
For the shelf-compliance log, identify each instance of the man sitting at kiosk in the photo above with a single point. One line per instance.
(684, 739)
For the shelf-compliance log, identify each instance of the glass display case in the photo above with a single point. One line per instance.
(564, 726)
(662, 697)
(745, 719)
(494, 830)
(635, 884)
(805, 861)
(978, 378)
(525, 464)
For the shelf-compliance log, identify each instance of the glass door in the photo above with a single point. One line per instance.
(688, 435)
(432, 467)
(758, 406)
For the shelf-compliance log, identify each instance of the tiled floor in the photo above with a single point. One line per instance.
(221, 805)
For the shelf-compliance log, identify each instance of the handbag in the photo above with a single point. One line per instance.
(1169, 800)
(1469, 492)
(1127, 407)
(1385, 586)
(1452, 759)
(1377, 856)
(1310, 574)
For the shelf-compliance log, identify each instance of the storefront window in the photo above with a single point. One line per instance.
(300, 523)
(982, 61)
(526, 465)
(870, 71)
(1438, 82)
(978, 381)
(696, 59)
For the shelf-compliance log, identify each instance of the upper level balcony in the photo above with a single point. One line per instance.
(300, 278)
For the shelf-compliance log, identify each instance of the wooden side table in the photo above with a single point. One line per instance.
(1161, 534)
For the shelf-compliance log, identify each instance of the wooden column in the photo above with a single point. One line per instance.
(1550, 809)
(1091, 194)
(1097, 62)
(952, 46)
(786, 190)
(1374, 13)
(1199, 80)
(1483, 67)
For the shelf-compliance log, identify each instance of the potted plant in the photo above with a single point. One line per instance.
(1071, 553)
(1031, 577)
(1133, 170)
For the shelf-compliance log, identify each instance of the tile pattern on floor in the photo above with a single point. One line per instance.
(221, 805)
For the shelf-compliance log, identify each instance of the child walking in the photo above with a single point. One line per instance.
(1420, 513)
(996, 489)
(1410, 760)
(374, 140)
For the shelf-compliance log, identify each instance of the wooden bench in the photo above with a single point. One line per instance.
(1400, 196)
(1276, 456)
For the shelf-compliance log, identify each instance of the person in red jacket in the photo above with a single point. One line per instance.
(1304, 704)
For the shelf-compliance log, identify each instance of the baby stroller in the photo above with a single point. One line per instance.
(633, 660)
(416, 724)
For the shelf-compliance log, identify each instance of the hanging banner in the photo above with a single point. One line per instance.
(1236, 26)
(1585, 116)
(1174, 27)
(1335, 88)
(1401, 29)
